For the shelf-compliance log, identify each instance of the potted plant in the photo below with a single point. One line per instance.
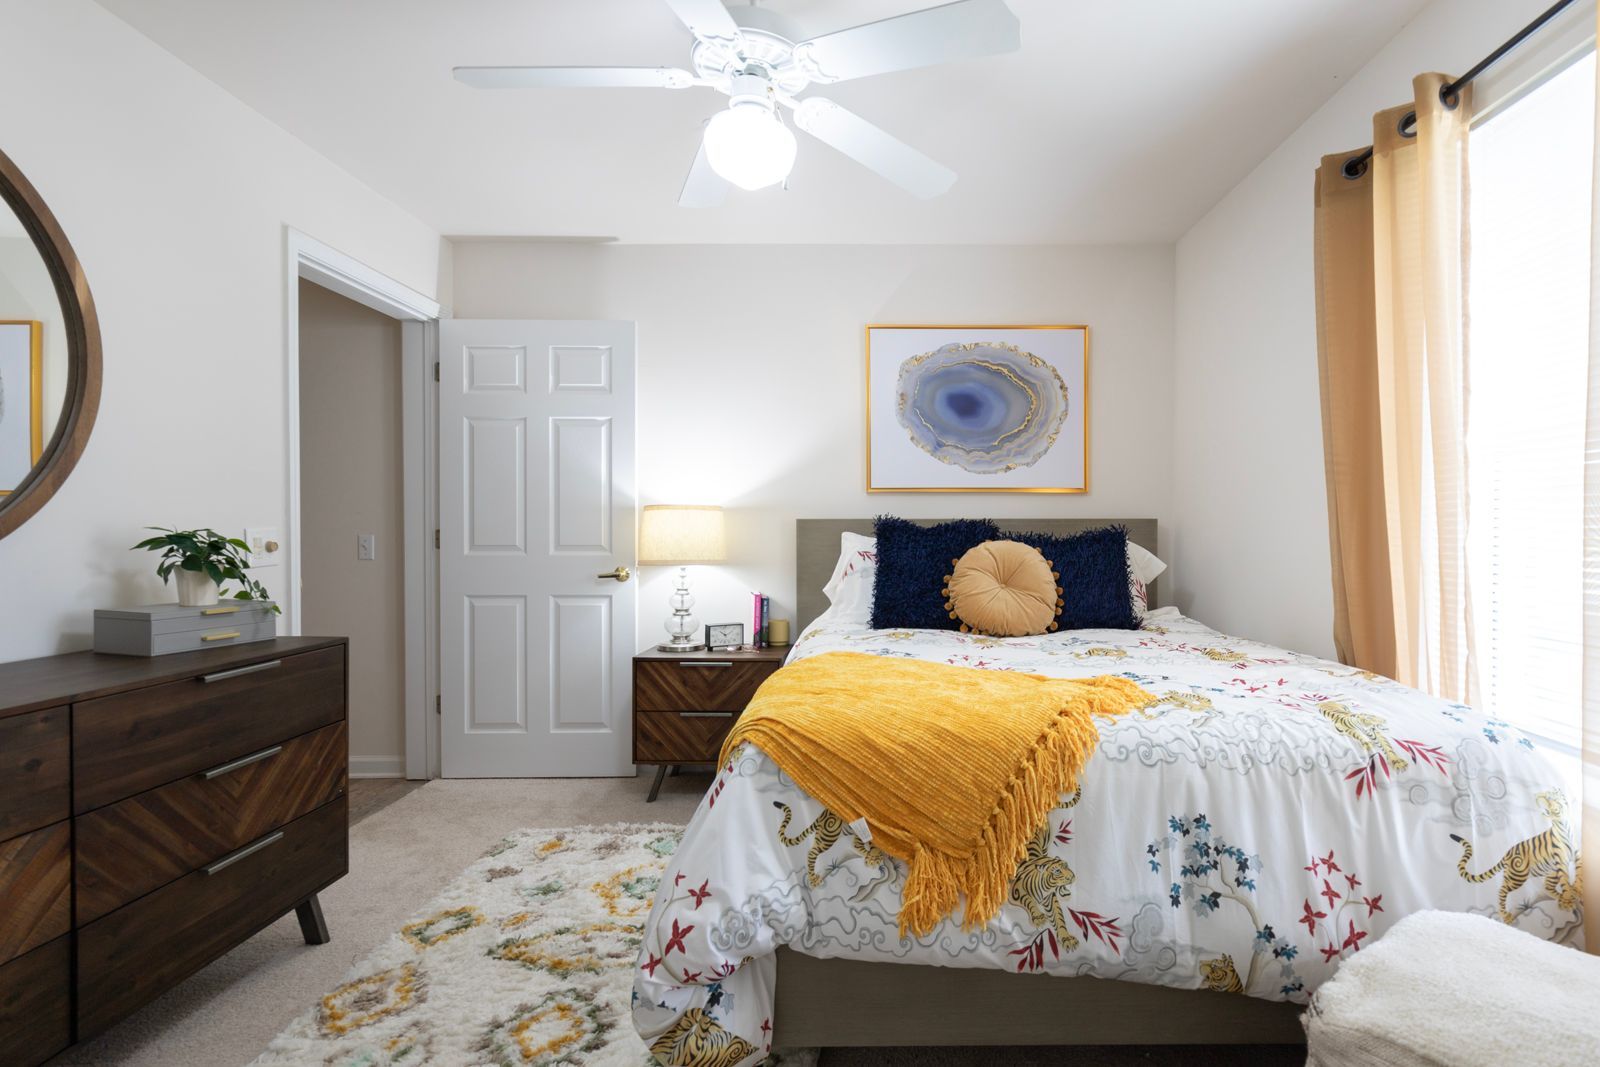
(203, 560)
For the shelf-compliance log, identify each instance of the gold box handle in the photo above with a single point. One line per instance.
(227, 636)
(219, 611)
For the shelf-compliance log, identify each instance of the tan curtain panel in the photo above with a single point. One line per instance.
(1391, 249)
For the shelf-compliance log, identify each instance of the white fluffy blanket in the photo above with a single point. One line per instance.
(1457, 990)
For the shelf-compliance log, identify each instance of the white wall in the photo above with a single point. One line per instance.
(751, 366)
(175, 196)
(351, 483)
(1250, 534)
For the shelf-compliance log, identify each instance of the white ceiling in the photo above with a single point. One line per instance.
(1117, 122)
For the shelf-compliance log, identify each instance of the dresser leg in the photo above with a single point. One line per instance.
(313, 927)
(655, 786)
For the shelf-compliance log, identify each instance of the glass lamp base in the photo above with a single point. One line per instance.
(682, 628)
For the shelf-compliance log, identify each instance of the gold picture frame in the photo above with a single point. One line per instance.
(978, 329)
(35, 391)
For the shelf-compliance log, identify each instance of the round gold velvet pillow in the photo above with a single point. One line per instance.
(1004, 589)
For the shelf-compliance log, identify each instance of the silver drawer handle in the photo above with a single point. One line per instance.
(249, 850)
(706, 663)
(242, 761)
(237, 671)
(706, 714)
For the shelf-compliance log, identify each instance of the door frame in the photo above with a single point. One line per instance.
(309, 259)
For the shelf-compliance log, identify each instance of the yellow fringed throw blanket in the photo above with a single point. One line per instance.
(953, 768)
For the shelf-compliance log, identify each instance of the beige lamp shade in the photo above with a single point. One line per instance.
(676, 534)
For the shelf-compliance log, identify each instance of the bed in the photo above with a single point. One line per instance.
(1268, 815)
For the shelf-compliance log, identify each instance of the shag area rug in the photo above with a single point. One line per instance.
(526, 959)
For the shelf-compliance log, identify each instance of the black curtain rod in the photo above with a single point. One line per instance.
(1450, 93)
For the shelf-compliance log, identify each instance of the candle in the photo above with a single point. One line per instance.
(778, 632)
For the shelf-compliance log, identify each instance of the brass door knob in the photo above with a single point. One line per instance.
(621, 574)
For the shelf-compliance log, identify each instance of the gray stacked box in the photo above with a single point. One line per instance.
(159, 629)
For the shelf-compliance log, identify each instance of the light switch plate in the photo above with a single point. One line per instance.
(266, 547)
(366, 546)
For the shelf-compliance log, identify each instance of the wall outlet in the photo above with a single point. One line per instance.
(266, 548)
(366, 546)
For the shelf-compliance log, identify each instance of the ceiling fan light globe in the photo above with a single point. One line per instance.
(747, 146)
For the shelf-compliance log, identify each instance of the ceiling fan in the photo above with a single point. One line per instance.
(749, 54)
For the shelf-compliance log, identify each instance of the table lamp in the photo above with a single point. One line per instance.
(680, 535)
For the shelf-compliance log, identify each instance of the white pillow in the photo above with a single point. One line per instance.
(1143, 568)
(849, 590)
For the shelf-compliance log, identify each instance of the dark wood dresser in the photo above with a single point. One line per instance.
(154, 813)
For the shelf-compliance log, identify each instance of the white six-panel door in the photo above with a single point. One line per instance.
(536, 502)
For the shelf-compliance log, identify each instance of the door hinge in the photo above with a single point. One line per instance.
(436, 538)
(438, 704)
(436, 371)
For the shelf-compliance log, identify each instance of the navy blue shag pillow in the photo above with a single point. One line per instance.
(908, 592)
(1093, 566)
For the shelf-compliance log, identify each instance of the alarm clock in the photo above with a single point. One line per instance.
(725, 636)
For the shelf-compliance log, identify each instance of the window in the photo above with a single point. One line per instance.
(1528, 358)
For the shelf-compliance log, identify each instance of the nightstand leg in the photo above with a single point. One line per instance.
(313, 927)
(672, 771)
(655, 786)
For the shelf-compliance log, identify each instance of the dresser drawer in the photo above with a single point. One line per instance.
(35, 755)
(697, 685)
(135, 953)
(128, 848)
(35, 1012)
(680, 737)
(130, 742)
(35, 893)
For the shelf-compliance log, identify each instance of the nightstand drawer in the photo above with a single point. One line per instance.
(697, 684)
(680, 736)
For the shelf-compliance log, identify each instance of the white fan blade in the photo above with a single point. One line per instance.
(707, 19)
(966, 29)
(703, 187)
(574, 77)
(873, 148)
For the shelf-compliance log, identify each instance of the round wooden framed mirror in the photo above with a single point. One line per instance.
(49, 352)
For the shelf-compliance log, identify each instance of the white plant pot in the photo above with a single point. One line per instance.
(195, 589)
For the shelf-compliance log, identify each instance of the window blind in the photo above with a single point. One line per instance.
(1531, 167)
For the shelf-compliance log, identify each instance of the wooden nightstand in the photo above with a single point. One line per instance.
(684, 704)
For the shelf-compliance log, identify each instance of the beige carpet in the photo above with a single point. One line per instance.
(407, 853)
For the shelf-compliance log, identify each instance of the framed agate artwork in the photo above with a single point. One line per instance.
(977, 409)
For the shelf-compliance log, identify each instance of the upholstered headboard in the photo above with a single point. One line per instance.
(816, 550)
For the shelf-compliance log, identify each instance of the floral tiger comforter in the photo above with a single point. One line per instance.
(1268, 815)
